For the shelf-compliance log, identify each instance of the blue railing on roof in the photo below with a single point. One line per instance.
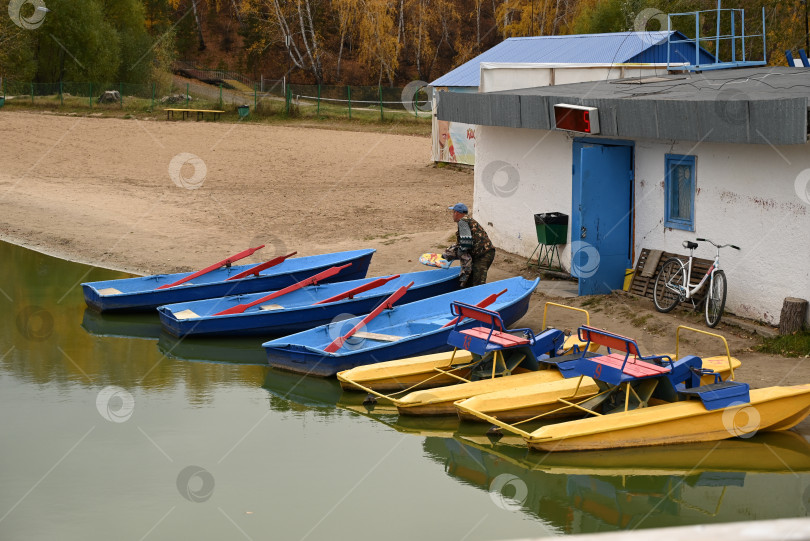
(717, 38)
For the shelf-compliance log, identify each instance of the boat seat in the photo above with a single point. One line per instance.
(615, 368)
(109, 291)
(482, 340)
(500, 338)
(717, 396)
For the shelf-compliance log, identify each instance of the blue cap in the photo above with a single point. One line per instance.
(459, 207)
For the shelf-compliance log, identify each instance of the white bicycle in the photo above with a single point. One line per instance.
(672, 284)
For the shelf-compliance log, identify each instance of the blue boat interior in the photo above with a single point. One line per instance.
(310, 295)
(151, 282)
(416, 319)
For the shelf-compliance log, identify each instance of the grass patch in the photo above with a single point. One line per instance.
(593, 300)
(789, 345)
(641, 320)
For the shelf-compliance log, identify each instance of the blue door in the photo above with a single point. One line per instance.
(601, 217)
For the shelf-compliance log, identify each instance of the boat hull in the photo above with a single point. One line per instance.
(535, 398)
(299, 317)
(403, 374)
(419, 324)
(441, 401)
(139, 294)
(771, 408)
(416, 372)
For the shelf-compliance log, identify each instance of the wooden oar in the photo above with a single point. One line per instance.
(260, 267)
(225, 262)
(387, 303)
(483, 304)
(359, 289)
(240, 308)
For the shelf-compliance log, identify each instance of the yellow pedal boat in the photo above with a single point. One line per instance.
(542, 398)
(647, 401)
(769, 409)
(431, 371)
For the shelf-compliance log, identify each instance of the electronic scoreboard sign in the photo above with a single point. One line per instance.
(576, 118)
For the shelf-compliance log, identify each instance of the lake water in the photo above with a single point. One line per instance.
(111, 430)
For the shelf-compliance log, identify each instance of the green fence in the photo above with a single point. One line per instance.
(80, 94)
(353, 102)
(357, 101)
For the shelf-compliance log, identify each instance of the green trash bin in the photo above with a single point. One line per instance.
(244, 110)
(552, 228)
(2, 101)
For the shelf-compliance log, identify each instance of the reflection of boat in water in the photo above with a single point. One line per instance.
(297, 392)
(228, 350)
(133, 325)
(765, 477)
(439, 427)
(304, 390)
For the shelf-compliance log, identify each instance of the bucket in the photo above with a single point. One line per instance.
(628, 278)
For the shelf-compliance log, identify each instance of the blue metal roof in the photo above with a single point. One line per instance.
(611, 48)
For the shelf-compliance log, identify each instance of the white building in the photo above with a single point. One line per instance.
(722, 155)
(555, 60)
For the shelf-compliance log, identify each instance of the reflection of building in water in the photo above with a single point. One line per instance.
(766, 477)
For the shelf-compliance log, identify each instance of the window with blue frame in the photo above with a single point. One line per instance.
(679, 192)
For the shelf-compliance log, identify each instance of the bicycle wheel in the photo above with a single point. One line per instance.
(716, 299)
(668, 284)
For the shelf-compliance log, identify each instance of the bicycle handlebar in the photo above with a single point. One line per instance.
(717, 245)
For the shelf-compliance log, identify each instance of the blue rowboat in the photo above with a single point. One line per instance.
(298, 310)
(406, 330)
(142, 293)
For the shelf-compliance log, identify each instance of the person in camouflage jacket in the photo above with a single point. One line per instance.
(473, 248)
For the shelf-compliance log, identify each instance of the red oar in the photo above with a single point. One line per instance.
(260, 267)
(483, 304)
(239, 308)
(359, 289)
(387, 303)
(215, 266)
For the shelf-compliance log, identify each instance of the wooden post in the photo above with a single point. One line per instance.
(793, 314)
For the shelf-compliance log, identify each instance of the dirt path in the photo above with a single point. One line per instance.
(107, 192)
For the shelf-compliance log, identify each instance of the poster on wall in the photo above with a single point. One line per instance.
(453, 142)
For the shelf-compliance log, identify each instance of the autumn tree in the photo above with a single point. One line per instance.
(293, 24)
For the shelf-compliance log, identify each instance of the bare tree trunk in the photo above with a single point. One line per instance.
(419, 43)
(478, 25)
(340, 51)
(199, 27)
(401, 24)
(292, 49)
(236, 11)
(315, 52)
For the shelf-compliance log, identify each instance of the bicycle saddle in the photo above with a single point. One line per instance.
(690, 245)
